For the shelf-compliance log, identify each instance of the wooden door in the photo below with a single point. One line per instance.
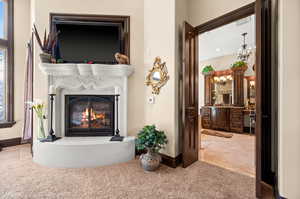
(190, 93)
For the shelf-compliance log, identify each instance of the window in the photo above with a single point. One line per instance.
(6, 63)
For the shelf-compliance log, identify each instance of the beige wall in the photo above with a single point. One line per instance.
(159, 38)
(21, 36)
(163, 32)
(201, 11)
(289, 97)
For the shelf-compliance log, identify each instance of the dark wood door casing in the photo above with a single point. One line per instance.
(258, 64)
(266, 40)
(190, 81)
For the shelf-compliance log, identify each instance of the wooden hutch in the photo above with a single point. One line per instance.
(228, 113)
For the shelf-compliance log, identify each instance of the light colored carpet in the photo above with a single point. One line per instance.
(21, 178)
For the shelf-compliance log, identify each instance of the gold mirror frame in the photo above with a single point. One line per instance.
(164, 77)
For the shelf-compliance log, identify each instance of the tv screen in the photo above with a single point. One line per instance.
(79, 43)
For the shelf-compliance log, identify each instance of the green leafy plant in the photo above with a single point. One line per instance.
(151, 139)
(208, 69)
(238, 64)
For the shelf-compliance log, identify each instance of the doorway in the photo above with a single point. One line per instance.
(227, 96)
(265, 120)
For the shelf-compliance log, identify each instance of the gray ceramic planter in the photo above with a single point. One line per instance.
(150, 161)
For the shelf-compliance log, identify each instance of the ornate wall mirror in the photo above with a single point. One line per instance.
(157, 76)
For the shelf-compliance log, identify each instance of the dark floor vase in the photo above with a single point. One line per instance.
(150, 161)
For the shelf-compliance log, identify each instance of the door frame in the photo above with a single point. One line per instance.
(266, 13)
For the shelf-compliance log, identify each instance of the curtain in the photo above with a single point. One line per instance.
(28, 94)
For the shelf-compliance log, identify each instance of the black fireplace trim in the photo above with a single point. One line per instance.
(89, 132)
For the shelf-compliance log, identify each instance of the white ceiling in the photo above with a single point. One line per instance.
(227, 40)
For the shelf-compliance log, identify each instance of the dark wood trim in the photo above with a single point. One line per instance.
(9, 43)
(125, 20)
(10, 142)
(266, 189)
(170, 161)
(7, 124)
(258, 11)
(227, 18)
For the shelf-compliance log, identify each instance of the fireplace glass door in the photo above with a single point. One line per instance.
(89, 115)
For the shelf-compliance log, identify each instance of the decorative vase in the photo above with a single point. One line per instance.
(150, 161)
(45, 57)
(41, 129)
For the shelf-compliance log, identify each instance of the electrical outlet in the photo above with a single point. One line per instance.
(151, 100)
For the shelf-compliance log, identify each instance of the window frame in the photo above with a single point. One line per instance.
(9, 45)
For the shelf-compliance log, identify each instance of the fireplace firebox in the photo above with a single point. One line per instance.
(89, 115)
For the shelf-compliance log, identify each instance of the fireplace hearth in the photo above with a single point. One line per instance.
(89, 115)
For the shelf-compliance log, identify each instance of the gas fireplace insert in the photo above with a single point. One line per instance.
(89, 115)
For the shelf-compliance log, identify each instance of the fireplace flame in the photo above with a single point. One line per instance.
(94, 115)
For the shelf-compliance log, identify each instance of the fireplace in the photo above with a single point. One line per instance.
(89, 115)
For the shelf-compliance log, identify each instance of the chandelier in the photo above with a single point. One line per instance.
(244, 52)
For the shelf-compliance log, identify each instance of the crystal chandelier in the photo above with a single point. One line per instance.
(244, 52)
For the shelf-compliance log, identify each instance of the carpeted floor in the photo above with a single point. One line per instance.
(21, 178)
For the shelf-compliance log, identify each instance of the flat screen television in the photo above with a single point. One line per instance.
(82, 42)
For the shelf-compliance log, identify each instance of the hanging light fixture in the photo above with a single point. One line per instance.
(244, 52)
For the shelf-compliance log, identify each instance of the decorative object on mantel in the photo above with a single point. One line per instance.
(39, 108)
(153, 141)
(208, 70)
(157, 76)
(117, 136)
(47, 45)
(121, 59)
(51, 137)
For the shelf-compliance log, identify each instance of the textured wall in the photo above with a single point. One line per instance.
(289, 99)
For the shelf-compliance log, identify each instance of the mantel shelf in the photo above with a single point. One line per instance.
(69, 69)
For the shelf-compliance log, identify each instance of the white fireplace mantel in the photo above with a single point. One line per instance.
(117, 70)
(88, 79)
(82, 152)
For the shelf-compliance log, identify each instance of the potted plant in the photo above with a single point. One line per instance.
(47, 45)
(239, 65)
(208, 70)
(152, 140)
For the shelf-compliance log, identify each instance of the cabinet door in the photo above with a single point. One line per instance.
(219, 118)
(237, 120)
(205, 117)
